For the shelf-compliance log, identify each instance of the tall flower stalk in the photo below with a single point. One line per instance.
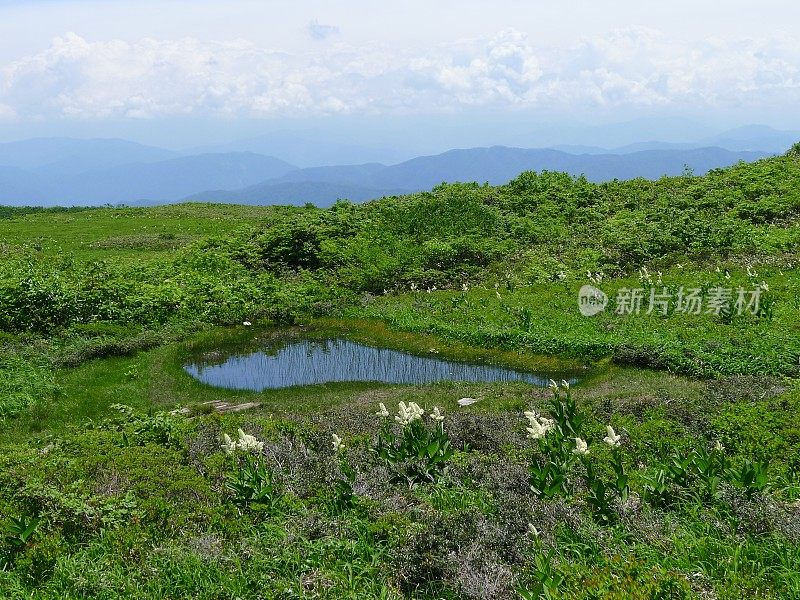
(557, 438)
(420, 451)
(250, 484)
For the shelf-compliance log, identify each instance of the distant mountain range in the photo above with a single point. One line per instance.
(65, 171)
(393, 141)
(496, 165)
(71, 156)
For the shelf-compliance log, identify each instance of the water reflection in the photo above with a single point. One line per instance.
(308, 362)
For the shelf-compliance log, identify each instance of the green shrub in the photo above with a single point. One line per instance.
(420, 453)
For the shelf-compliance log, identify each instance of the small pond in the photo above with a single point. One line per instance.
(310, 361)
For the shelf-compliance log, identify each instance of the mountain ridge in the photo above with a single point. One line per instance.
(43, 175)
(494, 165)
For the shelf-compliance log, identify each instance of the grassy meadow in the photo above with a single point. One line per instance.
(671, 469)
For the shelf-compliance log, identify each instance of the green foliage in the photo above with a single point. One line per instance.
(26, 379)
(549, 474)
(698, 474)
(545, 229)
(344, 498)
(419, 454)
(752, 476)
(547, 579)
(561, 446)
(138, 429)
(141, 503)
(252, 485)
(17, 537)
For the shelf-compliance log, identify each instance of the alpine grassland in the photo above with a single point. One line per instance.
(665, 465)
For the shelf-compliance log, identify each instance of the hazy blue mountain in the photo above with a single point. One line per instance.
(320, 193)
(163, 181)
(656, 145)
(370, 174)
(579, 149)
(658, 134)
(70, 156)
(756, 137)
(495, 165)
(54, 171)
(611, 135)
(499, 164)
(167, 180)
(19, 187)
(630, 148)
(310, 148)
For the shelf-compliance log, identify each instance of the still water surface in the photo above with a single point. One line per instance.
(308, 362)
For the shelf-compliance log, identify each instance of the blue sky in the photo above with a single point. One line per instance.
(120, 67)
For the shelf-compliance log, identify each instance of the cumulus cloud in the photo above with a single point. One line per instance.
(153, 78)
(318, 31)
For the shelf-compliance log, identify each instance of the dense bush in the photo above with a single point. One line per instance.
(306, 260)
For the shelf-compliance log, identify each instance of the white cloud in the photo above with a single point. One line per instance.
(151, 78)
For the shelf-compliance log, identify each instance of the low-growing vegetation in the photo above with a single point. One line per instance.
(669, 469)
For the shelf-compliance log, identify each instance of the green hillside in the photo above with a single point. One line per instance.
(100, 308)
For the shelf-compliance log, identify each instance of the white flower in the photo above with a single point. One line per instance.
(598, 278)
(466, 401)
(336, 442)
(464, 287)
(245, 442)
(581, 447)
(612, 439)
(228, 445)
(437, 415)
(413, 287)
(553, 385)
(536, 431)
(537, 426)
(532, 530)
(407, 414)
(382, 412)
(402, 413)
(249, 443)
(246, 323)
(565, 384)
(764, 286)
